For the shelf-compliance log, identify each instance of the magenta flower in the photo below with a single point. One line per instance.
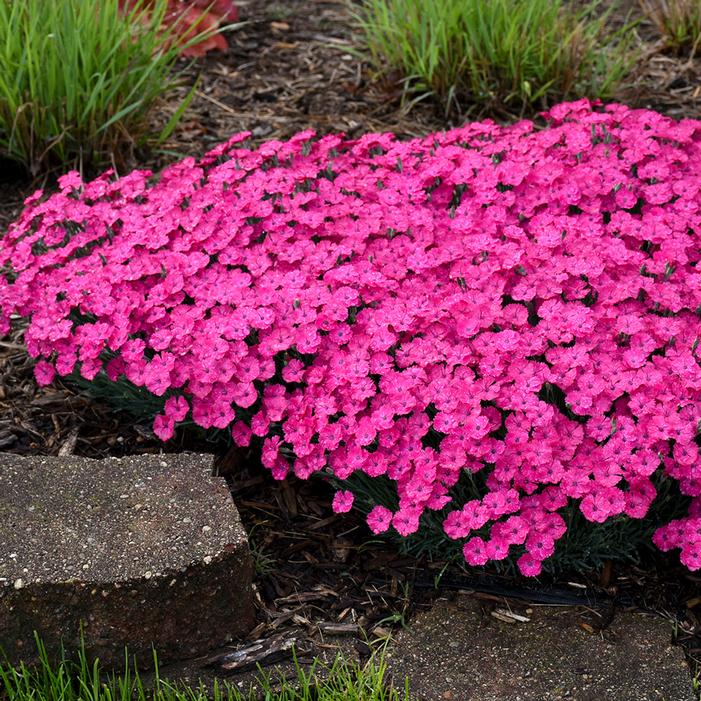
(379, 519)
(512, 302)
(44, 373)
(343, 501)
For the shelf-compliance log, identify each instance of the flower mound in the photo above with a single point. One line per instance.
(519, 301)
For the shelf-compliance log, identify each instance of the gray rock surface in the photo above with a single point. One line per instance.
(140, 551)
(460, 651)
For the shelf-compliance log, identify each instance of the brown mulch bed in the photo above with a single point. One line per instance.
(290, 68)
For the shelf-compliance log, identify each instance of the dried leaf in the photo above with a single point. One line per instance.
(339, 628)
(260, 652)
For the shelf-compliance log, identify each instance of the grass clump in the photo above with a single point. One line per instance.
(82, 680)
(678, 22)
(79, 80)
(499, 56)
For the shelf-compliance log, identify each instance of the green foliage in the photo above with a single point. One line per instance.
(341, 681)
(142, 405)
(586, 546)
(496, 55)
(81, 680)
(121, 395)
(678, 21)
(79, 80)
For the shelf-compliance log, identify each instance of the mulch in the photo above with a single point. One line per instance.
(290, 67)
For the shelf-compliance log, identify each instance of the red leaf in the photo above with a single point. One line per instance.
(188, 18)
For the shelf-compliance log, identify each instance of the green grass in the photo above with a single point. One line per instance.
(81, 680)
(79, 81)
(496, 56)
(678, 22)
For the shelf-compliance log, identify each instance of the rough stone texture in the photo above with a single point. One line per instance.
(461, 652)
(147, 550)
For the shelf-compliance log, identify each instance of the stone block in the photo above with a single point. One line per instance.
(140, 551)
(458, 651)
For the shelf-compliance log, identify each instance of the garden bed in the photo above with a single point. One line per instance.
(290, 69)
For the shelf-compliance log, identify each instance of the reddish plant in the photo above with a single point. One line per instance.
(192, 17)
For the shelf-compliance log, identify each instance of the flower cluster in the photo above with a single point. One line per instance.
(518, 301)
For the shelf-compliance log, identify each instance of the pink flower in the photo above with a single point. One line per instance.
(241, 433)
(406, 520)
(164, 427)
(379, 519)
(497, 549)
(176, 408)
(44, 373)
(343, 501)
(476, 551)
(529, 565)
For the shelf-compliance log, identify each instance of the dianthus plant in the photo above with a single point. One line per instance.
(515, 301)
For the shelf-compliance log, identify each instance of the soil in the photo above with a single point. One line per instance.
(291, 67)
